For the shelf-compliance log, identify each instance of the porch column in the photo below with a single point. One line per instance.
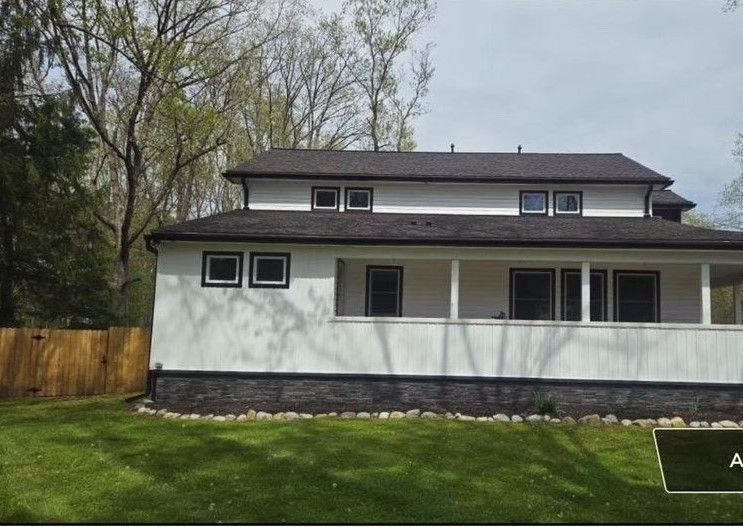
(454, 297)
(706, 293)
(738, 303)
(585, 292)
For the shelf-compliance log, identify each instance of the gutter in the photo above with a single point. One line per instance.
(648, 197)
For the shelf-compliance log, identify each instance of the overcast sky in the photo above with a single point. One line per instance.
(659, 80)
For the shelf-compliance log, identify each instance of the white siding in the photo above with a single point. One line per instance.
(294, 330)
(442, 198)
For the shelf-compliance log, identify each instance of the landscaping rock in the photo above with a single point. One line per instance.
(142, 410)
(546, 418)
(384, 415)
(397, 415)
(219, 418)
(333, 414)
(611, 418)
(593, 419)
(429, 415)
(729, 424)
(626, 422)
(481, 419)
(242, 417)
(704, 424)
(321, 416)
(695, 424)
(291, 416)
(503, 418)
(375, 415)
(412, 414)
(465, 417)
(449, 415)
(250, 415)
(664, 422)
(716, 425)
(348, 415)
(643, 423)
(305, 416)
(230, 417)
(278, 416)
(678, 422)
(185, 416)
(516, 419)
(363, 415)
(208, 417)
(568, 420)
(161, 412)
(263, 416)
(534, 418)
(555, 421)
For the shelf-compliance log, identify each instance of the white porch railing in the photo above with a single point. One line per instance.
(542, 349)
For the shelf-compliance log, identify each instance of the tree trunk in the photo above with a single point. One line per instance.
(7, 299)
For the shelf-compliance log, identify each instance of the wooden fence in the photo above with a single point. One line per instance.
(56, 362)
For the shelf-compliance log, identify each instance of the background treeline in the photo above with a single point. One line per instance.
(120, 115)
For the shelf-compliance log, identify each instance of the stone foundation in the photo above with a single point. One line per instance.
(215, 392)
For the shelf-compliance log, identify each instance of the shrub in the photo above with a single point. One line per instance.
(545, 404)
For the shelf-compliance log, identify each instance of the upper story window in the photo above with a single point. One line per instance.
(221, 269)
(325, 198)
(570, 203)
(270, 270)
(359, 199)
(533, 202)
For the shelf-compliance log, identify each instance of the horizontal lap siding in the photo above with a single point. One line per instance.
(292, 330)
(437, 198)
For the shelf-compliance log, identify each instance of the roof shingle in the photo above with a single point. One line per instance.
(668, 198)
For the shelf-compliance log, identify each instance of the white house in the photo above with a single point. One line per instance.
(458, 281)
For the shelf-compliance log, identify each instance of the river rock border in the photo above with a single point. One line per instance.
(591, 420)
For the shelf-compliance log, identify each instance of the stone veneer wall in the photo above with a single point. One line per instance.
(235, 393)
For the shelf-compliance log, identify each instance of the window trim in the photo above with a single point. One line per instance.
(557, 193)
(367, 300)
(615, 288)
(252, 283)
(206, 255)
(511, 284)
(546, 194)
(337, 191)
(604, 279)
(370, 190)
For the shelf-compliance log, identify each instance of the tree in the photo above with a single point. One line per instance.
(729, 210)
(52, 268)
(140, 71)
(382, 34)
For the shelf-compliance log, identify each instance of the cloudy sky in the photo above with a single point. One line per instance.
(659, 80)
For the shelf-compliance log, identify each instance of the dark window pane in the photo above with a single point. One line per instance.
(636, 298)
(358, 199)
(384, 292)
(533, 202)
(567, 203)
(223, 269)
(326, 198)
(532, 296)
(572, 294)
(269, 269)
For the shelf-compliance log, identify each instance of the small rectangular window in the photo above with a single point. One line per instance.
(532, 294)
(533, 202)
(636, 296)
(571, 295)
(383, 291)
(221, 269)
(325, 198)
(359, 199)
(570, 203)
(269, 270)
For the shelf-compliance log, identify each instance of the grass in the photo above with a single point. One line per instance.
(86, 460)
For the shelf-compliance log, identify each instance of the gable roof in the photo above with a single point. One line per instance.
(669, 199)
(500, 167)
(447, 230)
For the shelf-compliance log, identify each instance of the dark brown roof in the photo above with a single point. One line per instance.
(442, 166)
(447, 229)
(669, 199)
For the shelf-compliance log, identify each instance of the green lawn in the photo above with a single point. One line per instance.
(89, 461)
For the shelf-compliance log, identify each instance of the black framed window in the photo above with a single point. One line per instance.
(325, 198)
(360, 199)
(269, 270)
(571, 295)
(532, 294)
(383, 291)
(533, 202)
(637, 296)
(221, 269)
(568, 203)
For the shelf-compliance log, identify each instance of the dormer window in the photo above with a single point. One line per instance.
(325, 198)
(533, 202)
(359, 199)
(570, 203)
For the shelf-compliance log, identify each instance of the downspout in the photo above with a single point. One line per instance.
(648, 196)
(245, 194)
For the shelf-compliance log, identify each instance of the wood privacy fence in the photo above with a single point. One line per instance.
(56, 362)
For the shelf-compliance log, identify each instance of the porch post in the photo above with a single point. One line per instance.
(585, 292)
(706, 293)
(454, 297)
(738, 303)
